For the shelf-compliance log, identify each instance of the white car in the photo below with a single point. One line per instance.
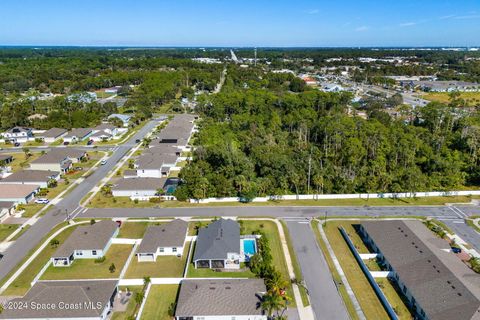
(42, 200)
(103, 162)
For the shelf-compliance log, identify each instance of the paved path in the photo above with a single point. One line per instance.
(324, 297)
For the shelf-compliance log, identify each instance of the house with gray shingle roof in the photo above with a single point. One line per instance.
(138, 187)
(164, 240)
(77, 135)
(218, 246)
(221, 299)
(82, 299)
(52, 134)
(35, 177)
(86, 242)
(436, 284)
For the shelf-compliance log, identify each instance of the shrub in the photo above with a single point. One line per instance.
(102, 259)
(112, 267)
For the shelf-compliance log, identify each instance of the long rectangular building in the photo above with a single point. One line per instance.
(438, 285)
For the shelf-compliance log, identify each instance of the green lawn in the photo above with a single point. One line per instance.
(296, 266)
(159, 300)
(125, 202)
(89, 269)
(20, 160)
(7, 229)
(133, 230)
(364, 293)
(471, 98)
(335, 275)
(21, 285)
(127, 314)
(164, 267)
(394, 299)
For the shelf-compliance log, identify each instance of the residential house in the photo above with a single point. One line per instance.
(139, 188)
(155, 165)
(53, 134)
(164, 240)
(7, 208)
(35, 177)
(18, 134)
(435, 283)
(125, 118)
(77, 135)
(18, 193)
(218, 246)
(78, 299)
(221, 299)
(86, 242)
(58, 159)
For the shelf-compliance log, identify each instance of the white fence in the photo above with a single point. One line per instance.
(345, 196)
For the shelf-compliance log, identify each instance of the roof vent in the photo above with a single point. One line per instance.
(228, 288)
(459, 294)
(212, 288)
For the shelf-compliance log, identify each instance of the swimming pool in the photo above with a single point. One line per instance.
(249, 246)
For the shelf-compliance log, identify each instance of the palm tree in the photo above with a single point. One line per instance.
(273, 302)
(275, 282)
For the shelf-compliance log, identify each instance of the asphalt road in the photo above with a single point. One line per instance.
(70, 204)
(438, 212)
(324, 297)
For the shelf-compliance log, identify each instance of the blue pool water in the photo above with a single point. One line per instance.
(249, 246)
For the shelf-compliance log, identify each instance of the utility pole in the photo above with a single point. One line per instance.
(309, 171)
(255, 60)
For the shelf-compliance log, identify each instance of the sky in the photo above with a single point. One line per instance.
(262, 23)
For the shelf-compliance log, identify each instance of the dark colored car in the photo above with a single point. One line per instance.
(89, 142)
(137, 141)
(66, 143)
(17, 144)
(456, 250)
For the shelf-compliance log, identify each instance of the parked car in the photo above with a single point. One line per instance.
(42, 200)
(103, 162)
(456, 250)
(66, 143)
(78, 168)
(89, 142)
(137, 141)
(17, 144)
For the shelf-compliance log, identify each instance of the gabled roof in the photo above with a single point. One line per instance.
(58, 154)
(53, 133)
(437, 279)
(134, 184)
(154, 161)
(232, 297)
(123, 117)
(30, 176)
(80, 293)
(15, 130)
(105, 126)
(9, 191)
(79, 132)
(170, 234)
(217, 240)
(91, 237)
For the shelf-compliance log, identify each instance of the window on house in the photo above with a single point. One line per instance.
(79, 253)
(94, 252)
(162, 250)
(174, 249)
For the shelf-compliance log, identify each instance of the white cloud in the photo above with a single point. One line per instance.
(408, 24)
(362, 28)
(469, 16)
